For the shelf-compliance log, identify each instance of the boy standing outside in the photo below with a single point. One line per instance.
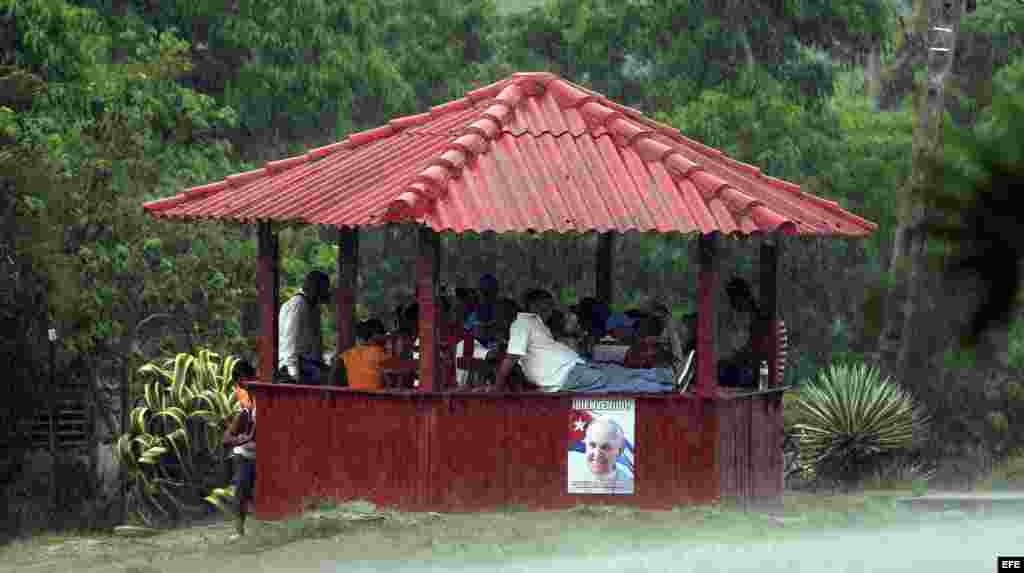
(241, 437)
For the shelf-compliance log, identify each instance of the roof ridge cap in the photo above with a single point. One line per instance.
(637, 133)
(752, 170)
(432, 182)
(717, 154)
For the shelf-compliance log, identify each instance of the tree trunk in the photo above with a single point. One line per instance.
(873, 73)
(901, 351)
(898, 79)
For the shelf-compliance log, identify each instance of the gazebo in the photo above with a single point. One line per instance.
(532, 152)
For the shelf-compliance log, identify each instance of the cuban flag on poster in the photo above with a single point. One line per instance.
(617, 412)
(577, 433)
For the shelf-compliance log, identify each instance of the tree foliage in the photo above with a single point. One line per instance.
(978, 207)
(315, 70)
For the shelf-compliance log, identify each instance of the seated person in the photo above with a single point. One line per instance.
(565, 329)
(741, 369)
(556, 322)
(465, 303)
(623, 325)
(397, 319)
(507, 312)
(410, 333)
(361, 363)
(451, 327)
(399, 342)
(592, 316)
(486, 310)
(647, 350)
(496, 331)
(554, 367)
(479, 351)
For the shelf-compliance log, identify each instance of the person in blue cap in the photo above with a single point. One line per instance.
(486, 311)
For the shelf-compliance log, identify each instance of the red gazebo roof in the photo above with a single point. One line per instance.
(531, 152)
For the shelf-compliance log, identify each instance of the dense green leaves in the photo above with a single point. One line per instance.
(316, 69)
(56, 40)
(103, 137)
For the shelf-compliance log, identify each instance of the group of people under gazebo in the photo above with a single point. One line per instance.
(488, 341)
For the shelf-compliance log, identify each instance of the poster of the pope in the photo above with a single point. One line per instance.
(601, 445)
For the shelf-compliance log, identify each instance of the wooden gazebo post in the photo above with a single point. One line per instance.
(707, 316)
(348, 285)
(769, 260)
(603, 284)
(428, 263)
(267, 287)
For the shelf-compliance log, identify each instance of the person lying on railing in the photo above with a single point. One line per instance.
(555, 367)
(361, 364)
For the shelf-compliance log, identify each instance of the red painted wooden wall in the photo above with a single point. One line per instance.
(475, 452)
(751, 447)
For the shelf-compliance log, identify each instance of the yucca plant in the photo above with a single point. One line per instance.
(852, 420)
(172, 449)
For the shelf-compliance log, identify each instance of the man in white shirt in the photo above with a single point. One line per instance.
(301, 348)
(554, 367)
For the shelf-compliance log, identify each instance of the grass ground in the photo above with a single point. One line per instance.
(1008, 476)
(359, 531)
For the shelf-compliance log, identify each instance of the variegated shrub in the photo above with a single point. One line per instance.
(851, 420)
(172, 450)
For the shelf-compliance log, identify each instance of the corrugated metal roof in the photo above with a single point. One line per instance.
(531, 152)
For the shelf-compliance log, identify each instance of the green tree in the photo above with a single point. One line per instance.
(86, 146)
(312, 71)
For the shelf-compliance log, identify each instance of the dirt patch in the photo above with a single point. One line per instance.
(360, 532)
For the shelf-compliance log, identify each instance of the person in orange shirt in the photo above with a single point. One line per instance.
(240, 439)
(362, 362)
